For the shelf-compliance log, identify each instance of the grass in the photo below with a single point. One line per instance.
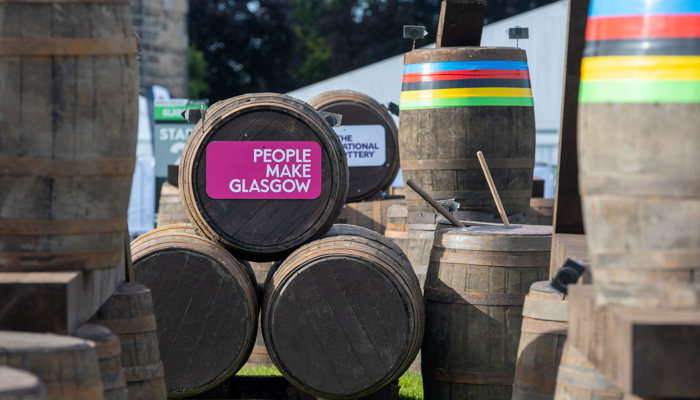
(410, 383)
(411, 386)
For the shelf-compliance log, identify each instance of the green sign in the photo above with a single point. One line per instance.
(171, 131)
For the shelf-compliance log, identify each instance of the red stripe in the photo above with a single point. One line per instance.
(467, 74)
(643, 27)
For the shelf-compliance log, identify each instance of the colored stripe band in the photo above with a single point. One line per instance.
(601, 8)
(643, 47)
(634, 91)
(466, 102)
(676, 68)
(468, 74)
(465, 92)
(643, 26)
(466, 83)
(463, 65)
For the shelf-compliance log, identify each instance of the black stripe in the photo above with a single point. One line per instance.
(643, 47)
(465, 83)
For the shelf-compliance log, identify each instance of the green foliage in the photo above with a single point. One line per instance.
(411, 386)
(197, 69)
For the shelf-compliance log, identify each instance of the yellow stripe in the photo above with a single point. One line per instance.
(677, 68)
(465, 92)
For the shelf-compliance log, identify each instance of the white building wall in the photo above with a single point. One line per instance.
(545, 50)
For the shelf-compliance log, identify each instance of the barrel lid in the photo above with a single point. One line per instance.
(18, 382)
(493, 229)
(26, 342)
(466, 53)
(496, 237)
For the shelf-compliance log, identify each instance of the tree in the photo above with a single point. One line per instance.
(197, 72)
(248, 45)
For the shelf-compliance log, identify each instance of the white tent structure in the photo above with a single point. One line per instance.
(545, 50)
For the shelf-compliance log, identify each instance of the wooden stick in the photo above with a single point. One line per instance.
(494, 192)
(434, 203)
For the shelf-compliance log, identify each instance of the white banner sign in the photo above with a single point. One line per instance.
(365, 145)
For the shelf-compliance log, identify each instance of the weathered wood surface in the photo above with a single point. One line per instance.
(19, 384)
(354, 296)
(359, 109)
(444, 163)
(171, 210)
(477, 280)
(205, 305)
(109, 354)
(59, 301)
(565, 246)
(47, 354)
(68, 100)
(641, 198)
(368, 214)
(541, 211)
(568, 217)
(542, 338)
(578, 379)
(461, 23)
(651, 353)
(396, 228)
(639, 167)
(129, 314)
(263, 230)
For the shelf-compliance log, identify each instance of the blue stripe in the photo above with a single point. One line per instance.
(615, 8)
(462, 65)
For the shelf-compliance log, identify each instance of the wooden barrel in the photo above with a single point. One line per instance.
(541, 211)
(354, 298)
(542, 338)
(638, 146)
(68, 102)
(129, 314)
(19, 384)
(170, 207)
(370, 139)
(456, 101)
(368, 214)
(45, 355)
(109, 357)
(263, 174)
(578, 379)
(477, 280)
(205, 305)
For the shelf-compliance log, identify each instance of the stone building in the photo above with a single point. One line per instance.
(161, 26)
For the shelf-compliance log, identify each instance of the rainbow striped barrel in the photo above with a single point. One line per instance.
(639, 151)
(456, 101)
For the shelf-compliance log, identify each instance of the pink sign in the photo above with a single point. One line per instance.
(263, 170)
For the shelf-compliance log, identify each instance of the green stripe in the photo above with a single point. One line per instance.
(638, 91)
(466, 102)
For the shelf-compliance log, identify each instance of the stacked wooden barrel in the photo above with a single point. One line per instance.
(354, 299)
(370, 140)
(205, 306)
(263, 174)
(19, 384)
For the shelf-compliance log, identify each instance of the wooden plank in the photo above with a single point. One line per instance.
(40, 301)
(565, 246)
(59, 302)
(461, 23)
(652, 353)
(567, 207)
